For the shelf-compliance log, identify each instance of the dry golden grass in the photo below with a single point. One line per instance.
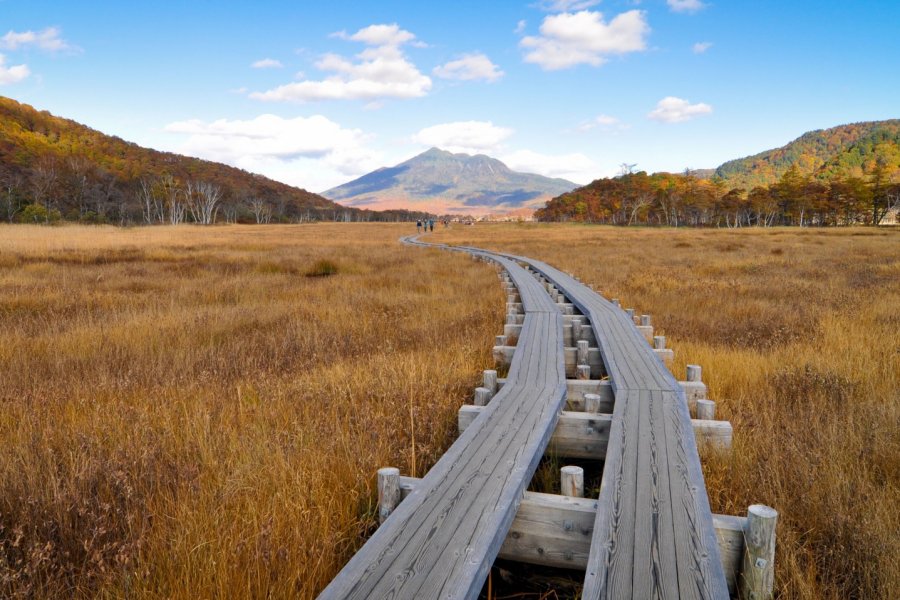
(798, 332)
(198, 413)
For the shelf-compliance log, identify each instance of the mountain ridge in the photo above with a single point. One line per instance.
(450, 182)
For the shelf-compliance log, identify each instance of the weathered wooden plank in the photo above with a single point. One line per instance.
(556, 531)
(442, 540)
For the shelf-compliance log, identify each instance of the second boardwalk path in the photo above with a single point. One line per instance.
(441, 541)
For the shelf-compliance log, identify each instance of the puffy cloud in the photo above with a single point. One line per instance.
(567, 5)
(604, 123)
(382, 70)
(675, 110)
(12, 74)
(470, 67)
(49, 39)
(575, 167)
(520, 26)
(267, 63)
(463, 136)
(379, 35)
(569, 39)
(701, 47)
(685, 5)
(312, 152)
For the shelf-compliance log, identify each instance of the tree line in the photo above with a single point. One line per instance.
(78, 190)
(686, 200)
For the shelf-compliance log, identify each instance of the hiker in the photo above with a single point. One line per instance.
(431, 224)
(418, 226)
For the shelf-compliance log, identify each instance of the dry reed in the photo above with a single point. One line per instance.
(187, 414)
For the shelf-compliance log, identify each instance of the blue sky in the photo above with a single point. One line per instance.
(317, 93)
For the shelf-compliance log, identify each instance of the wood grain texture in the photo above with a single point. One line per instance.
(441, 541)
(653, 536)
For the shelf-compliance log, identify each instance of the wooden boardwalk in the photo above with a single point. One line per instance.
(653, 535)
(442, 540)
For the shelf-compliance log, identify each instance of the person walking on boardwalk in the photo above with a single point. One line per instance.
(419, 226)
(431, 225)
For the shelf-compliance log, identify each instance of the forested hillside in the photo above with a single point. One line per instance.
(840, 176)
(53, 168)
(840, 152)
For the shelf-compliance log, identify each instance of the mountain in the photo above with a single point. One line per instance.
(443, 182)
(844, 151)
(87, 175)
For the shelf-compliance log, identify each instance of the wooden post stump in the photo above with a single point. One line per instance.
(388, 492)
(581, 352)
(694, 373)
(706, 409)
(490, 380)
(659, 342)
(500, 340)
(758, 571)
(572, 481)
(592, 403)
(583, 372)
(645, 320)
(482, 396)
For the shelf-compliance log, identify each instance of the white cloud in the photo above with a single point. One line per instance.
(470, 67)
(604, 123)
(12, 74)
(675, 110)
(471, 137)
(701, 47)
(569, 39)
(312, 152)
(379, 35)
(575, 167)
(685, 5)
(566, 5)
(49, 39)
(267, 63)
(520, 26)
(382, 70)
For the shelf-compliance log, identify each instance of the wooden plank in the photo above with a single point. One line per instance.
(556, 531)
(442, 540)
(584, 435)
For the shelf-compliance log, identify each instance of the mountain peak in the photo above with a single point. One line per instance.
(450, 182)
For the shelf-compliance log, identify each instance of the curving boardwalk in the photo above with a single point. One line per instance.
(442, 539)
(653, 536)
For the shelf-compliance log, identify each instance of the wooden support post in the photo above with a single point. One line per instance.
(592, 403)
(388, 491)
(645, 320)
(659, 342)
(490, 380)
(694, 373)
(500, 340)
(511, 318)
(482, 396)
(616, 303)
(630, 313)
(706, 409)
(581, 352)
(583, 372)
(571, 481)
(576, 329)
(758, 571)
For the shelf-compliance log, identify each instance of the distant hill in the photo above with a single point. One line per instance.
(78, 170)
(844, 151)
(443, 182)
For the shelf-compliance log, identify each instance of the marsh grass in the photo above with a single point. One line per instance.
(798, 333)
(184, 414)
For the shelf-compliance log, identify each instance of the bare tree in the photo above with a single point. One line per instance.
(202, 199)
(43, 182)
(12, 185)
(152, 207)
(260, 209)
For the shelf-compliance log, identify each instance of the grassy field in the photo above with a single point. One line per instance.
(199, 413)
(798, 332)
